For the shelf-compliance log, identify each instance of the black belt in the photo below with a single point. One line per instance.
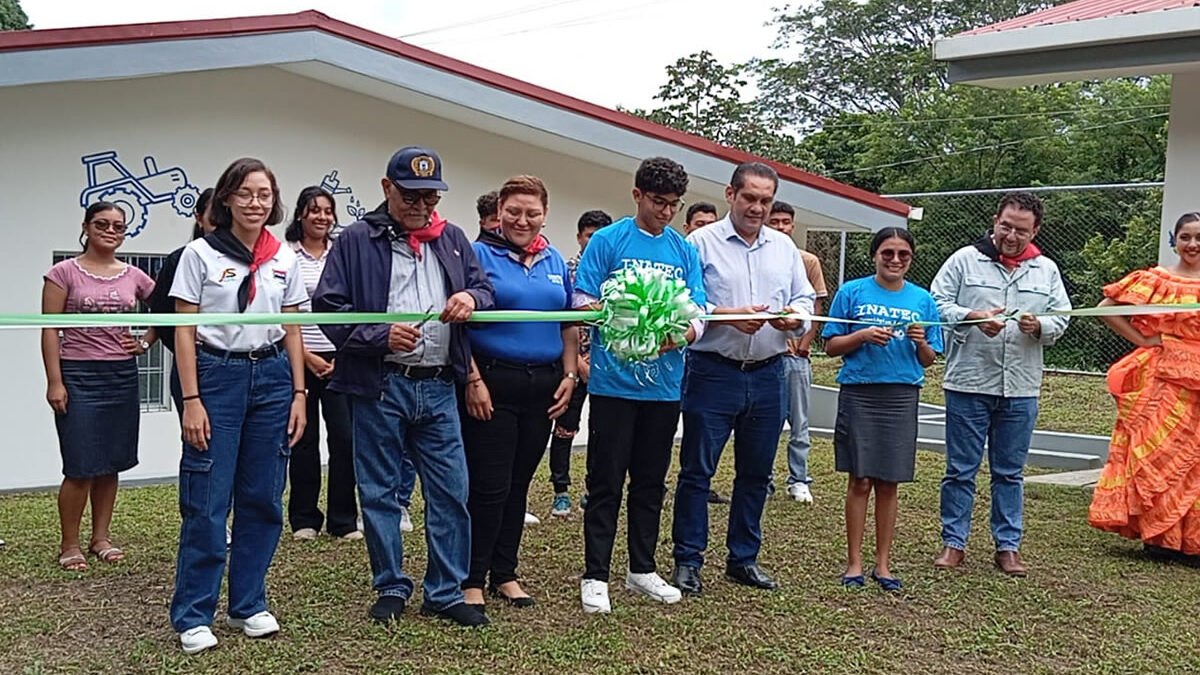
(252, 355)
(420, 372)
(744, 366)
(513, 365)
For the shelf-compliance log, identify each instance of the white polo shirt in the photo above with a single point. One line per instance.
(211, 279)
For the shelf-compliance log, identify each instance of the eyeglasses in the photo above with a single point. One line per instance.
(105, 226)
(902, 256)
(661, 204)
(245, 197)
(410, 197)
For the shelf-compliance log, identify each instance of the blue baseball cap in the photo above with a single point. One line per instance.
(416, 168)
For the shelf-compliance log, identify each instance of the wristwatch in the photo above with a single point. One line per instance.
(145, 345)
(573, 376)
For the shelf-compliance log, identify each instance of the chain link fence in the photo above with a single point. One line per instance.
(1096, 234)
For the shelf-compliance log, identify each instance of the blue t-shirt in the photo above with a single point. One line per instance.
(622, 245)
(546, 285)
(896, 362)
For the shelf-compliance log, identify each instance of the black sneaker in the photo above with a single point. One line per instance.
(387, 608)
(460, 613)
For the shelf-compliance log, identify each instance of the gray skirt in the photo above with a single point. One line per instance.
(876, 431)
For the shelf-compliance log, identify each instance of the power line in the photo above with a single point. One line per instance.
(1046, 113)
(527, 9)
(585, 20)
(996, 146)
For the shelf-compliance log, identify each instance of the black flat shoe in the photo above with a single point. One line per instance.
(387, 608)
(687, 579)
(520, 603)
(460, 613)
(751, 575)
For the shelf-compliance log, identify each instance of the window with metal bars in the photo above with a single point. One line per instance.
(153, 366)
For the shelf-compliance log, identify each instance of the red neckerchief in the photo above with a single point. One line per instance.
(536, 246)
(1031, 251)
(265, 248)
(428, 233)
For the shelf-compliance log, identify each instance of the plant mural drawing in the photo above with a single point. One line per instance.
(109, 180)
(333, 185)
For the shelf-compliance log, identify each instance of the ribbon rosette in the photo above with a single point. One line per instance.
(643, 308)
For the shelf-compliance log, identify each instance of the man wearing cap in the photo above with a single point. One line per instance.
(400, 377)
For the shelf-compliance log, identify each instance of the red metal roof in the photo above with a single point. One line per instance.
(1083, 10)
(313, 20)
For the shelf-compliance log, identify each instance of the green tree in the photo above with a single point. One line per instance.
(12, 17)
(703, 97)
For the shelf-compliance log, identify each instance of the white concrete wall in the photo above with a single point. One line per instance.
(301, 128)
(1183, 158)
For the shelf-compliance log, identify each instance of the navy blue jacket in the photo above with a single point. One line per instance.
(356, 278)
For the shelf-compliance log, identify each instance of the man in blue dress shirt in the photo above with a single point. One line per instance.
(735, 379)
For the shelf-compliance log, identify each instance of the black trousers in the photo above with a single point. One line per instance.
(502, 455)
(634, 438)
(305, 469)
(560, 446)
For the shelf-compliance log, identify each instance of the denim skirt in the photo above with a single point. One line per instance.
(875, 435)
(98, 435)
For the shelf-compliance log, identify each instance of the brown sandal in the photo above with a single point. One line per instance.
(75, 562)
(109, 554)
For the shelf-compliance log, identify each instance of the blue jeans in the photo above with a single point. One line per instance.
(1006, 425)
(408, 481)
(248, 404)
(417, 419)
(799, 382)
(719, 398)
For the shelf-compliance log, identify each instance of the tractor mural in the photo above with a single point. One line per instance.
(109, 180)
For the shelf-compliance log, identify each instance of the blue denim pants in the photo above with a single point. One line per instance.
(417, 419)
(799, 382)
(248, 403)
(1005, 426)
(719, 398)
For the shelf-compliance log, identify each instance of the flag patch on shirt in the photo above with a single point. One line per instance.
(280, 275)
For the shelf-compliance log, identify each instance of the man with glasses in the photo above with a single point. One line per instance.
(634, 406)
(994, 372)
(400, 377)
(736, 381)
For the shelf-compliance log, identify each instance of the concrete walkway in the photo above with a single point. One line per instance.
(1081, 479)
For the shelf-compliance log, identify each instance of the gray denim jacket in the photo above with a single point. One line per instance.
(1009, 364)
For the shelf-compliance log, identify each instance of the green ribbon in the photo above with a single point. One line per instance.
(495, 316)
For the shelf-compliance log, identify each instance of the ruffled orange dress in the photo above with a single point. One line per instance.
(1150, 486)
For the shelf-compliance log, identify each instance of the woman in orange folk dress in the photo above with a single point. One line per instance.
(1150, 486)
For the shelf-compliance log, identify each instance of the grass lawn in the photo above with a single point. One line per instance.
(1092, 603)
(1076, 403)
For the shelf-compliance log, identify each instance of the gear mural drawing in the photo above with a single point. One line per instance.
(109, 180)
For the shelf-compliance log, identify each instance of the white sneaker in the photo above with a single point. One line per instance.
(405, 520)
(305, 533)
(259, 625)
(594, 594)
(652, 586)
(228, 536)
(196, 640)
(800, 492)
(352, 535)
(531, 519)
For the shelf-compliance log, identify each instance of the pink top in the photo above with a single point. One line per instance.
(87, 294)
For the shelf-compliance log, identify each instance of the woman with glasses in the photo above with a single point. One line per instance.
(883, 369)
(243, 406)
(92, 380)
(522, 377)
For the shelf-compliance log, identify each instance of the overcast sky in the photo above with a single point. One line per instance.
(611, 53)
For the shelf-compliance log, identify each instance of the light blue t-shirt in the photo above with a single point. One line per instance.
(622, 245)
(896, 362)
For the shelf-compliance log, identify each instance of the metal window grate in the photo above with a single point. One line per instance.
(153, 366)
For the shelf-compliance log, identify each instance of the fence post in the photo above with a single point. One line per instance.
(842, 258)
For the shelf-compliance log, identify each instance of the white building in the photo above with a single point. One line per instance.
(1098, 39)
(150, 114)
